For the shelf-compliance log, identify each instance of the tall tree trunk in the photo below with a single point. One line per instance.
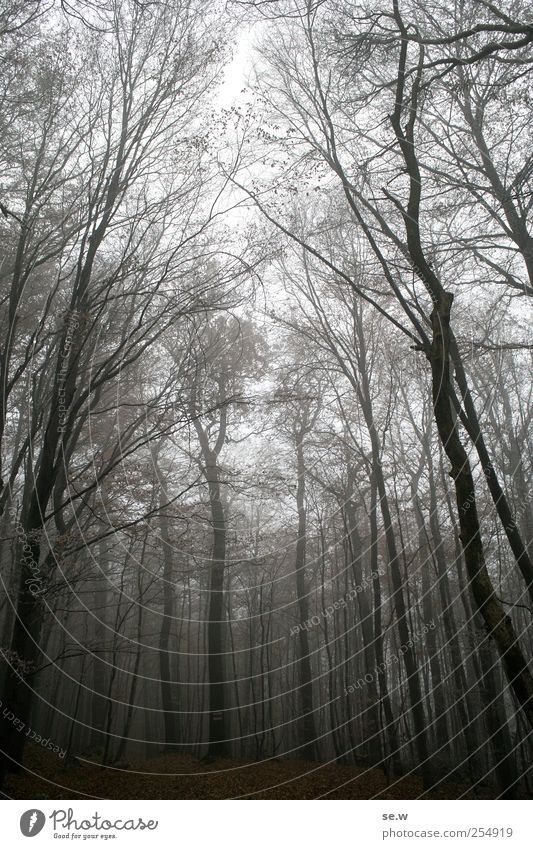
(22, 659)
(216, 608)
(390, 731)
(437, 689)
(308, 740)
(505, 762)
(328, 640)
(370, 715)
(441, 353)
(124, 739)
(499, 626)
(462, 700)
(409, 656)
(215, 627)
(168, 684)
(100, 670)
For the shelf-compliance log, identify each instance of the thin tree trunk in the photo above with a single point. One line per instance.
(168, 684)
(305, 690)
(390, 731)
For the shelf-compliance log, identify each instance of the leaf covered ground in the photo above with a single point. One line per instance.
(175, 776)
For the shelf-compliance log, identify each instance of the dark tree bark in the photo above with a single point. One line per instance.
(498, 625)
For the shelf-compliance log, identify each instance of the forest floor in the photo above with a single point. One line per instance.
(183, 777)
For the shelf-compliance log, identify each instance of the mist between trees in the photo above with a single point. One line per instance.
(265, 371)
(370, 677)
(338, 604)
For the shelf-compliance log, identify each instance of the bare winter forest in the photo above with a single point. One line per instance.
(266, 488)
